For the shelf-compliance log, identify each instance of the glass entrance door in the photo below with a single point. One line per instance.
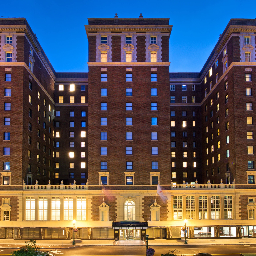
(129, 234)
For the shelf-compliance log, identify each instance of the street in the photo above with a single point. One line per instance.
(141, 250)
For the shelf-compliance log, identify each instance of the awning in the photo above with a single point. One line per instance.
(129, 224)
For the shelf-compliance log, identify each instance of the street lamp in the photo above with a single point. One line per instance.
(74, 226)
(185, 221)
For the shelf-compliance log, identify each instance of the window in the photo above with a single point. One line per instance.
(177, 208)
(103, 165)
(103, 106)
(153, 40)
(103, 56)
(173, 154)
(60, 99)
(154, 182)
(68, 208)
(7, 136)
(81, 208)
(128, 135)
(248, 92)
(185, 134)
(193, 99)
(104, 92)
(184, 124)
(7, 106)
(172, 123)
(184, 113)
(250, 150)
(57, 144)
(153, 56)
(57, 113)
(82, 88)
(215, 207)
(129, 165)
(173, 134)
(82, 154)
(7, 92)
(248, 106)
(250, 164)
(71, 124)
(104, 40)
(128, 150)
(185, 144)
(153, 135)
(6, 166)
(129, 180)
(128, 39)
(83, 113)
(155, 165)
(128, 91)
(248, 77)
(71, 144)
(83, 165)
(9, 39)
(227, 126)
(104, 77)
(154, 150)
(153, 77)
(72, 99)
(128, 106)
(153, 120)
(30, 208)
(8, 56)
(6, 151)
(128, 120)
(173, 144)
(172, 113)
(128, 77)
(103, 135)
(172, 87)
(202, 207)
(247, 56)
(173, 164)
(7, 121)
(246, 40)
(249, 135)
(104, 180)
(173, 175)
(249, 120)
(185, 154)
(210, 72)
(8, 77)
(251, 179)
(226, 99)
(83, 134)
(82, 99)
(172, 99)
(184, 99)
(153, 106)
(153, 91)
(104, 121)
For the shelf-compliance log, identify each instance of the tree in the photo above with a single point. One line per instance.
(30, 250)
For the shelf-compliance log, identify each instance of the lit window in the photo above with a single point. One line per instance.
(250, 150)
(30, 208)
(248, 77)
(82, 154)
(103, 56)
(184, 124)
(247, 57)
(153, 106)
(185, 144)
(248, 106)
(228, 153)
(61, 87)
(249, 119)
(128, 56)
(83, 165)
(129, 106)
(185, 154)
(82, 144)
(83, 134)
(173, 164)
(194, 123)
(57, 134)
(72, 99)
(172, 123)
(7, 92)
(248, 92)
(129, 180)
(103, 106)
(153, 77)
(153, 120)
(153, 56)
(82, 99)
(210, 72)
(173, 154)
(249, 135)
(153, 91)
(185, 164)
(193, 99)
(104, 77)
(60, 99)
(128, 77)
(154, 150)
(183, 87)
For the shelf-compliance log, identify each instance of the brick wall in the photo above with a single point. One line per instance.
(165, 48)
(141, 48)
(116, 48)
(92, 48)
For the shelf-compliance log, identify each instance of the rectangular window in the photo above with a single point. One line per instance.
(81, 208)
(246, 40)
(103, 56)
(30, 208)
(104, 77)
(202, 207)
(71, 124)
(172, 99)
(128, 135)
(103, 151)
(128, 150)
(155, 181)
(7, 136)
(247, 57)
(103, 135)
(8, 56)
(128, 77)
(172, 123)
(249, 135)
(154, 151)
(68, 208)
(72, 87)
(153, 77)
(248, 91)
(249, 120)
(227, 207)
(72, 99)
(7, 106)
(153, 91)
(173, 134)
(172, 113)
(153, 40)
(177, 208)
(104, 40)
(128, 120)
(82, 88)
(82, 99)
(251, 179)
(129, 180)
(55, 208)
(248, 77)
(248, 106)
(103, 106)
(104, 180)
(42, 208)
(9, 39)
(128, 91)
(83, 124)
(193, 100)
(6, 151)
(83, 113)
(153, 106)
(172, 87)
(128, 39)
(184, 87)
(153, 120)
(153, 56)
(250, 164)
(129, 165)
(7, 121)
(173, 144)
(104, 92)
(8, 77)
(250, 150)
(155, 165)
(60, 99)
(103, 121)
(215, 207)
(103, 165)
(153, 135)
(7, 92)
(128, 106)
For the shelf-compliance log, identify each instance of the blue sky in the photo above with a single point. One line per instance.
(59, 26)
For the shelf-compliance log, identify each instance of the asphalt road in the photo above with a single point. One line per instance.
(141, 250)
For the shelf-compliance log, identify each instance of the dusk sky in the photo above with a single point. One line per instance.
(59, 26)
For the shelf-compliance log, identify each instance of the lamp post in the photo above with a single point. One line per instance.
(185, 221)
(74, 226)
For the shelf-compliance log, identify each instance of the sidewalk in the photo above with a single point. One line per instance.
(58, 244)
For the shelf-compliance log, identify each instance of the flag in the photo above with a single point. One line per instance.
(160, 193)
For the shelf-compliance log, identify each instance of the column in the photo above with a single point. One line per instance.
(208, 207)
(74, 208)
(221, 207)
(49, 208)
(89, 208)
(36, 207)
(196, 207)
(184, 207)
(61, 208)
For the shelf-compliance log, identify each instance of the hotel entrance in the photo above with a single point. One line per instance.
(130, 230)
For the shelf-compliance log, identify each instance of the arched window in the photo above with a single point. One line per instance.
(129, 210)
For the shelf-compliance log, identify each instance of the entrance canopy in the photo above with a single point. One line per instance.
(129, 224)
